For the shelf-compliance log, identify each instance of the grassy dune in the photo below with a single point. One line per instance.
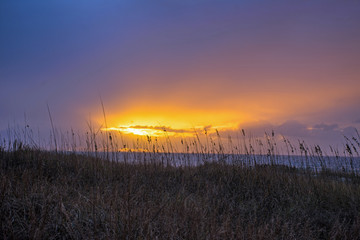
(46, 195)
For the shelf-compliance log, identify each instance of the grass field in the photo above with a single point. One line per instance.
(48, 195)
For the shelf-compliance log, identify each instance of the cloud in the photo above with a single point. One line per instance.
(163, 128)
(349, 131)
(259, 129)
(293, 128)
(322, 134)
(326, 127)
(158, 128)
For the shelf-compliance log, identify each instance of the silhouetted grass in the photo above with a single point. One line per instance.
(48, 195)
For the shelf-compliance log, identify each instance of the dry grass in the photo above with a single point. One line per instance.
(46, 195)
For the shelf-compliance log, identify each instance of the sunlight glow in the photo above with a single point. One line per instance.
(162, 131)
(178, 122)
(137, 131)
(169, 121)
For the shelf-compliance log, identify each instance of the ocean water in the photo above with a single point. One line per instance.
(336, 163)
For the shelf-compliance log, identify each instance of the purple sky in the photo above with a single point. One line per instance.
(291, 66)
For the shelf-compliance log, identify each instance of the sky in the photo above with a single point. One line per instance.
(287, 66)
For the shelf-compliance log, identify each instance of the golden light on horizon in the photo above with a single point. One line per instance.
(172, 122)
(137, 130)
(162, 131)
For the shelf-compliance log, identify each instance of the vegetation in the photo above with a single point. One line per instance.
(62, 195)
